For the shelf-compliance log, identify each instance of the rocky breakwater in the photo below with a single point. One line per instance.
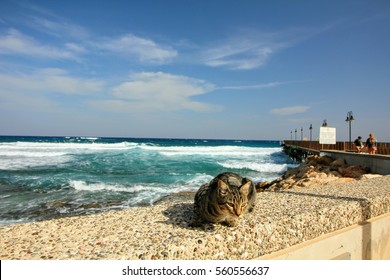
(317, 171)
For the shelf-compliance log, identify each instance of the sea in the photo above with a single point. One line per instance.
(50, 177)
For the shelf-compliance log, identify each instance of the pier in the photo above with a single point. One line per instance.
(316, 147)
(378, 163)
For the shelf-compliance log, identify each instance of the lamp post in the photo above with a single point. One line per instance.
(349, 119)
(311, 128)
(291, 134)
(301, 133)
(295, 134)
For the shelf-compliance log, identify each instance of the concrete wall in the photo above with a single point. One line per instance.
(379, 164)
(367, 241)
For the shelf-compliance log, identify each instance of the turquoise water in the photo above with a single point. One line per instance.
(47, 177)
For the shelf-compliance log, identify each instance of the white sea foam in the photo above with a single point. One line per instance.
(26, 154)
(155, 189)
(260, 167)
(20, 155)
(165, 150)
(143, 192)
(212, 151)
(27, 160)
(198, 180)
(65, 146)
(93, 187)
(99, 187)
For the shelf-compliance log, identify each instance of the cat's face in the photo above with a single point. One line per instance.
(233, 201)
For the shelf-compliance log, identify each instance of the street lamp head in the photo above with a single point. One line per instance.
(349, 117)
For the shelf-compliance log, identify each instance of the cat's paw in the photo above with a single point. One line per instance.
(195, 224)
(231, 222)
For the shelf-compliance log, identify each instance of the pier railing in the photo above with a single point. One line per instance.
(383, 148)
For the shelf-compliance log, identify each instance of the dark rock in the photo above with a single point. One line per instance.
(315, 171)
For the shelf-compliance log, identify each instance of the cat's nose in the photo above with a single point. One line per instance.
(238, 212)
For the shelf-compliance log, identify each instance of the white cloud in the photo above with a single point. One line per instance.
(58, 27)
(252, 49)
(76, 48)
(157, 91)
(145, 50)
(237, 58)
(245, 52)
(14, 42)
(257, 86)
(49, 80)
(17, 101)
(285, 111)
(77, 40)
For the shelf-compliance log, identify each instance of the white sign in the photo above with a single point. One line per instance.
(327, 135)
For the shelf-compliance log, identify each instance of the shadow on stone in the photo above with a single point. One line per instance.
(179, 214)
(176, 198)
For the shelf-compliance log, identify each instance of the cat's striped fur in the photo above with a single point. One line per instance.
(223, 200)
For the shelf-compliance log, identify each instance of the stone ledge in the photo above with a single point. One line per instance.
(369, 240)
(280, 220)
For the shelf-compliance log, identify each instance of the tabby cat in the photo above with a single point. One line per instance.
(223, 200)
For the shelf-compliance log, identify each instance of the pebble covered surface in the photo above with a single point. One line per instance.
(280, 219)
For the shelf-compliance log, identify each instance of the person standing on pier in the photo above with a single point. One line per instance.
(358, 144)
(371, 144)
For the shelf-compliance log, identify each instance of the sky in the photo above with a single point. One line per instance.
(214, 69)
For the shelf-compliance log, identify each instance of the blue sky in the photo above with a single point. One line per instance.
(194, 69)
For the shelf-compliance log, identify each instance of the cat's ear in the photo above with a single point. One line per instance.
(245, 189)
(223, 188)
